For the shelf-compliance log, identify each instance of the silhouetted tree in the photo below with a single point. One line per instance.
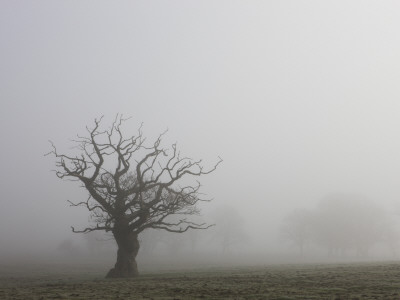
(68, 248)
(297, 228)
(345, 222)
(132, 187)
(229, 231)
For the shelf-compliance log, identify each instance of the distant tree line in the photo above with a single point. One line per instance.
(343, 225)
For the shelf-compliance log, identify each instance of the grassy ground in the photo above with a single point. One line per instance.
(347, 281)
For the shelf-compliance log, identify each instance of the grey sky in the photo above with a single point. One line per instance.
(300, 98)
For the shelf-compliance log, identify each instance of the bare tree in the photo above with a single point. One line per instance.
(132, 187)
(297, 228)
(349, 222)
(229, 232)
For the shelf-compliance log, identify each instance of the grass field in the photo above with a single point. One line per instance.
(313, 281)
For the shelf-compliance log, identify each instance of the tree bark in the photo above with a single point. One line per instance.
(128, 248)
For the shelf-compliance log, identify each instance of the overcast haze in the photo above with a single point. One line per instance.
(299, 98)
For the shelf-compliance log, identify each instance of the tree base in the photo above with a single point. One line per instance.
(128, 248)
(125, 273)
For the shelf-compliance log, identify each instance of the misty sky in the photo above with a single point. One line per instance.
(300, 98)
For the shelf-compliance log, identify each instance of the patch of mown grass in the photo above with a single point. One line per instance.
(367, 281)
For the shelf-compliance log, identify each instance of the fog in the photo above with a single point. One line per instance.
(299, 98)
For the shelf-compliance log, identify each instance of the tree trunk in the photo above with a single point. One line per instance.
(128, 248)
